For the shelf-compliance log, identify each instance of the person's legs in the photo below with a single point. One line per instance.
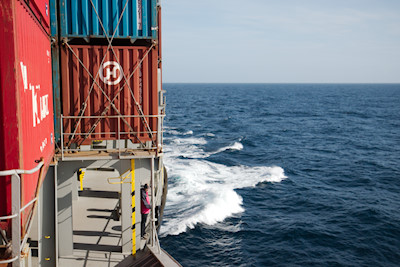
(143, 224)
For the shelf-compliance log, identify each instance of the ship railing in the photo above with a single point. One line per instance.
(16, 213)
(124, 140)
(154, 242)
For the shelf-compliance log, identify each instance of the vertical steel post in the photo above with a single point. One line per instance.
(133, 207)
(126, 214)
(62, 137)
(55, 215)
(119, 137)
(65, 187)
(154, 237)
(47, 225)
(39, 214)
(16, 226)
(152, 199)
(160, 101)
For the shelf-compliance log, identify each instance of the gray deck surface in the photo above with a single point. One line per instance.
(97, 238)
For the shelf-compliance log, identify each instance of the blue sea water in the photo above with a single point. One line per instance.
(283, 174)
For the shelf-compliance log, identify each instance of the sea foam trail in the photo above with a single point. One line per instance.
(204, 192)
(235, 146)
(189, 148)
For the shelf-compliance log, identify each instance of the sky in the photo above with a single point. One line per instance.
(281, 41)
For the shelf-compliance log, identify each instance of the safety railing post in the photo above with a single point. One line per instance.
(159, 131)
(154, 242)
(162, 130)
(119, 137)
(62, 137)
(16, 227)
(152, 201)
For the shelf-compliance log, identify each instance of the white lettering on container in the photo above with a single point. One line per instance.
(44, 106)
(39, 110)
(24, 76)
(35, 110)
(43, 145)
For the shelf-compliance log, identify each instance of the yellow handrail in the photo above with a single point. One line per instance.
(121, 178)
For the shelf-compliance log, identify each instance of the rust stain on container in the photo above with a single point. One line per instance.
(101, 83)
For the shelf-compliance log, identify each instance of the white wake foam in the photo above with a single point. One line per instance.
(174, 131)
(186, 147)
(189, 148)
(235, 146)
(204, 192)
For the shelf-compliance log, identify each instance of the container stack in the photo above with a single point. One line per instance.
(106, 60)
(26, 113)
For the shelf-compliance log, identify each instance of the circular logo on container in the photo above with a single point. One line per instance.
(111, 73)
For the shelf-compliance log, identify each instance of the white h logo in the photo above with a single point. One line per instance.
(111, 68)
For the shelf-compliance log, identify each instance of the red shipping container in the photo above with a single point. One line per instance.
(93, 77)
(26, 102)
(41, 9)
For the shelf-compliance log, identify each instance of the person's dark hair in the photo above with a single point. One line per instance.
(145, 186)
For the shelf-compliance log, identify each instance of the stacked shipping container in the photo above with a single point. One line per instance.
(132, 19)
(26, 102)
(106, 91)
(135, 67)
(40, 9)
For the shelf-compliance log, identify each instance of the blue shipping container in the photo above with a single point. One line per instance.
(55, 63)
(99, 19)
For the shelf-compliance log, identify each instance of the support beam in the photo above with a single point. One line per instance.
(65, 188)
(153, 218)
(126, 217)
(16, 226)
(133, 195)
(47, 218)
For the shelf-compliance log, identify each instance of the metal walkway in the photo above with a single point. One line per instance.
(97, 237)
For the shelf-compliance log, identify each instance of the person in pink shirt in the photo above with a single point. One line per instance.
(145, 208)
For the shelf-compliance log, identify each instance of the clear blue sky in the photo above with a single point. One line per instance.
(268, 41)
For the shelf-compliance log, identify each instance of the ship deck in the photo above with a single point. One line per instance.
(96, 236)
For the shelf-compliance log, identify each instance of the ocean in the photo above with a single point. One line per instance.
(283, 174)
